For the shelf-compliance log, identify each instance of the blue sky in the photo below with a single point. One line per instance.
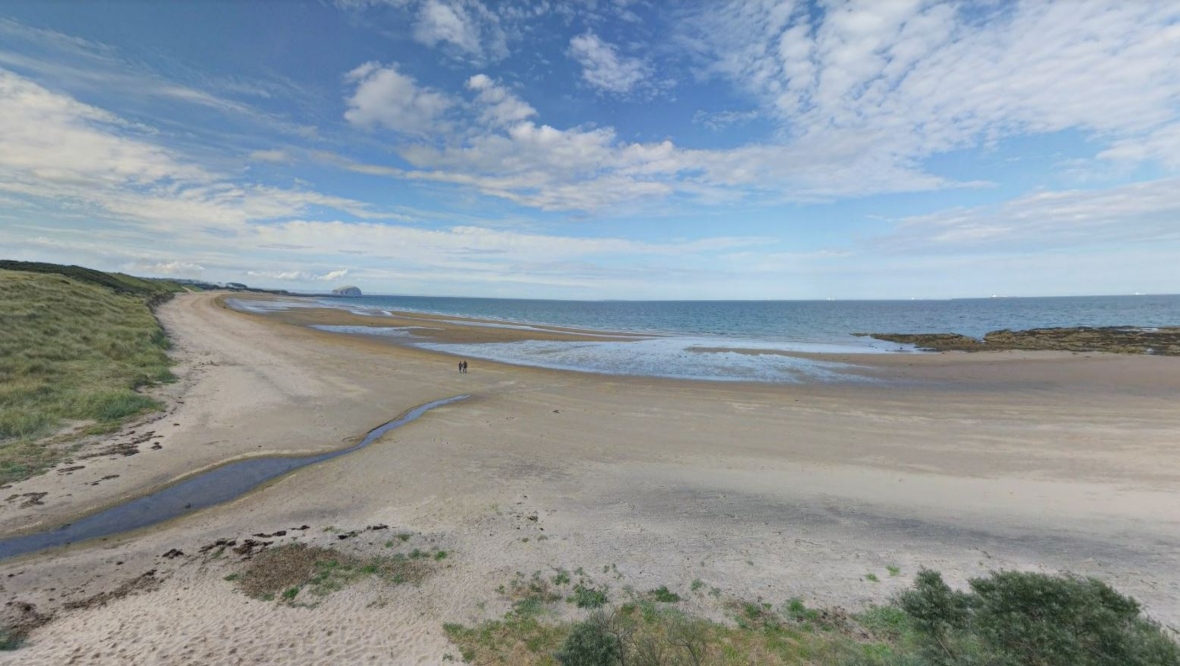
(609, 149)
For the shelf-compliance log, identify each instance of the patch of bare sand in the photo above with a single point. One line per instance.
(755, 490)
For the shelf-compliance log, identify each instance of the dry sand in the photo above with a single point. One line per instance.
(962, 463)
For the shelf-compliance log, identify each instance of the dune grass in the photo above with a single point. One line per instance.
(1004, 619)
(286, 572)
(72, 351)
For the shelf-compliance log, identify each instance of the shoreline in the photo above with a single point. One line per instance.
(1046, 462)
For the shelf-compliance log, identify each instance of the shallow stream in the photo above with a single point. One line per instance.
(202, 491)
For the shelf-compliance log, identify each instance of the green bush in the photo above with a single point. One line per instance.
(591, 643)
(1016, 618)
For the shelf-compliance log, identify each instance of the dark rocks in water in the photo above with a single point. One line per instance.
(931, 341)
(346, 291)
(1112, 339)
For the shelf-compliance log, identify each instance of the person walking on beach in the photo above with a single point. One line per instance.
(460, 366)
(464, 367)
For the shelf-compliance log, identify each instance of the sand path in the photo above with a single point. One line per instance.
(1041, 462)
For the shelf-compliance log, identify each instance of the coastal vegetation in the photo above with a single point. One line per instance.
(1164, 341)
(1005, 619)
(298, 572)
(76, 345)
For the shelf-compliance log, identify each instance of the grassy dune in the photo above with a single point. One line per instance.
(72, 349)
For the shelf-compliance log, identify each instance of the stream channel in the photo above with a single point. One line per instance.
(218, 485)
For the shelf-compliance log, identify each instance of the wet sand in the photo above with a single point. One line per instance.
(963, 463)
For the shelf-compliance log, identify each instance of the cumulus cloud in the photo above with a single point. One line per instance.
(604, 68)
(386, 97)
(449, 22)
(499, 105)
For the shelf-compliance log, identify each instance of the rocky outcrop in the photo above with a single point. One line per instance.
(1113, 339)
(346, 291)
(930, 341)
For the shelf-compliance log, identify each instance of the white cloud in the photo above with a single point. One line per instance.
(440, 21)
(579, 168)
(923, 78)
(1142, 213)
(500, 106)
(300, 276)
(60, 150)
(604, 68)
(178, 268)
(465, 29)
(52, 139)
(81, 65)
(384, 96)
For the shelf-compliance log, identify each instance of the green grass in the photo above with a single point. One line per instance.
(116, 282)
(72, 351)
(652, 634)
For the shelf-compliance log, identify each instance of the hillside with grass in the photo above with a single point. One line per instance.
(75, 345)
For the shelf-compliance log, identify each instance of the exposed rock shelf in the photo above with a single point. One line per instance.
(1113, 339)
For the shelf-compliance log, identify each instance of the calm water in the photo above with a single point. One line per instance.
(686, 328)
(802, 321)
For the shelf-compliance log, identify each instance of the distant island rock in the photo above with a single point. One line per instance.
(349, 291)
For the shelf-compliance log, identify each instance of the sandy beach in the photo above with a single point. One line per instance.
(964, 463)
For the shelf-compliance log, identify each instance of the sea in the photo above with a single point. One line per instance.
(713, 340)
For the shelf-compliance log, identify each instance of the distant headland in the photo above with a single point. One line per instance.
(349, 291)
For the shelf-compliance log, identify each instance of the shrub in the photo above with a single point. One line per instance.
(1039, 619)
(1013, 617)
(936, 609)
(592, 643)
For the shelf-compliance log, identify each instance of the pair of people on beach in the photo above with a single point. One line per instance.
(463, 366)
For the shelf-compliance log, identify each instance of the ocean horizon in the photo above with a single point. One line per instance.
(736, 340)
